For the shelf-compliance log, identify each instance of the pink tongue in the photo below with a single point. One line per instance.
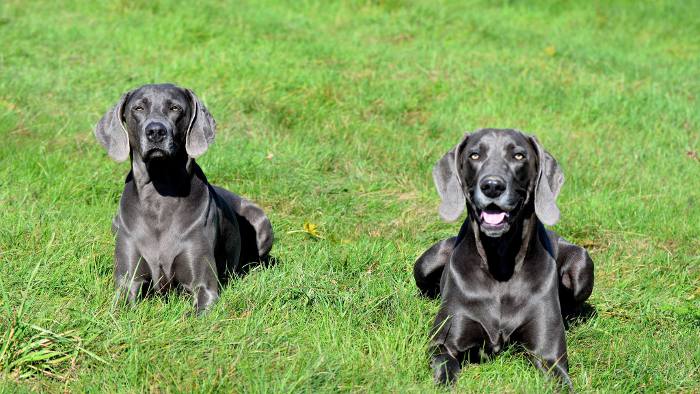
(493, 218)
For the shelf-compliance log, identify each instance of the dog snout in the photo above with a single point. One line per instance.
(492, 186)
(155, 132)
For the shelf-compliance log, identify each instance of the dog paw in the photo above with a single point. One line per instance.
(445, 369)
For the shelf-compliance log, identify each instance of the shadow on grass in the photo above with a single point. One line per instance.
(579, 315)
(264, 263)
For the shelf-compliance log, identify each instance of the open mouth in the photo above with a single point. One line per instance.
(494, 220)
(494, 217)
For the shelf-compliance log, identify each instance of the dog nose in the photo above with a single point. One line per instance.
(155, 132)
(492, 186)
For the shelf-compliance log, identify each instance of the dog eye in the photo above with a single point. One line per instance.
(175, 108)
(518, 156)
(138, 108)
(474, 156)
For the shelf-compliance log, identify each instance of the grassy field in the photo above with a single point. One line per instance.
(333, 113)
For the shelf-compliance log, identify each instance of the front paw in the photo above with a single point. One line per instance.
(445, 369)
(204, 299)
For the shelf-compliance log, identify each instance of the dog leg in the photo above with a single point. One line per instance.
(204, 298)
(545, 339)
(131, 274)
(204, 281)
(254, 226)
(553, 368)
(454, 336)
(429, 266)
(575, 270)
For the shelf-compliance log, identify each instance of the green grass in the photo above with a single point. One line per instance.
(354, 102)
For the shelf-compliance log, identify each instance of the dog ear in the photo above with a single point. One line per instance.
(448, 183)
(548, 183)
(201, 130)
(111, 133)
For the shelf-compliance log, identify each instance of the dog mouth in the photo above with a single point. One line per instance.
(155, 153)
(494, 217)
(494, 220)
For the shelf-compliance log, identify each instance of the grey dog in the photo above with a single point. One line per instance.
(172, 226)
(504, 278)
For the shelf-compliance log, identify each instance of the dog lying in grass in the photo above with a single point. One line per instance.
(504, 278)
(172, 226)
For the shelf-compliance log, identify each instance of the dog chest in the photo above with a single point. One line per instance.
(491, 311)
(162, 235)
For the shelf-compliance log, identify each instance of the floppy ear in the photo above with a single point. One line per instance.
(448, 184)
(547, 185)
(202, 128)
(110, 131)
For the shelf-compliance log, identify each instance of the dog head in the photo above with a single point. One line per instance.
(156, 122)
(498, 174)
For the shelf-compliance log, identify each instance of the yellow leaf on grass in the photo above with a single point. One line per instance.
(550, 51)
(311, 229)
